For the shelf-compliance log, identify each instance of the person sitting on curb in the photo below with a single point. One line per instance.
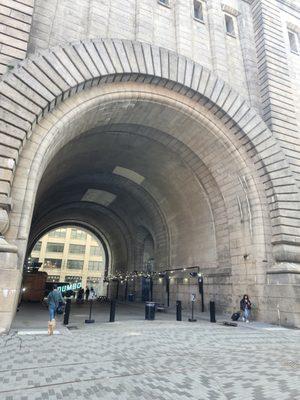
(54, 300)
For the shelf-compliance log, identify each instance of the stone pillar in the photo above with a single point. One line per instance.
(10, 277)
(280, 297)
(278, 111)
(10, 273)
(277, 98)
(282, 292)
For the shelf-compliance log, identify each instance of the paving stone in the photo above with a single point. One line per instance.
(163, 359)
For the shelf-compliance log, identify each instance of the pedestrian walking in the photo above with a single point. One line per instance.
(245, 306)
(87, 293)
(80, 294)
(92, 294)
(55, 299)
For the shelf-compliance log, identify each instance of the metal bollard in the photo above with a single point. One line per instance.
(212, 310)
(112, 311)
(178, 311)
(67, 311)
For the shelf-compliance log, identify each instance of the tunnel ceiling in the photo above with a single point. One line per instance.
(156, 168)
(138, 181)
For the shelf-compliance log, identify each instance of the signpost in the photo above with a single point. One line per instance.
(193, 299)
(90, 320)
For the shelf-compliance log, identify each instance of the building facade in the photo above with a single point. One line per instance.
(167, 127)
(71, 255)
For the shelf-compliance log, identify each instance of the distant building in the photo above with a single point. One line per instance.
(71, 255)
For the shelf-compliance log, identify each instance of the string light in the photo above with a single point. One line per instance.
(157, 274)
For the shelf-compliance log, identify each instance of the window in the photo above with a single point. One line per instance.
(53, 278)
(59, 233)
(37, 246)
(92, 280)
(78, 234)
(164, 2)
(73, 279)
(229, 25)
(52, 263)
(76, 249)
(198, 10)
(55, 247)
(95, 251)
(293, 39)
(75, 264)
(95, 265)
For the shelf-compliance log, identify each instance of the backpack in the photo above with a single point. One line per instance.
(235, 316)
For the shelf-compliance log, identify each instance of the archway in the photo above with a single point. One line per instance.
(67, 225)
(132, 173)
(66, 254)
(180, 155)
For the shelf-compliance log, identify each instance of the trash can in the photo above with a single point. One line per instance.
(131, 297)
(150, 310)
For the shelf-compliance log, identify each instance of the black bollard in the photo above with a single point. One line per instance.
(126, 291)
(178, 311)
(212, 310)
(112, 311)
(167, 280)
(201, 291)
(202, 302)
(90, 320)
(67, 311)
(151, 289)
(118, 286)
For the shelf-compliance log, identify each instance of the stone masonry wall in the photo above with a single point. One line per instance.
(15, 24)
(172, 27)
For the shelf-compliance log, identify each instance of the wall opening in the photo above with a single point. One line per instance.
(70, 256)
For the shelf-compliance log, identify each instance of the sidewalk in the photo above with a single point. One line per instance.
(34, 317)
(134, 359)
(152, 360)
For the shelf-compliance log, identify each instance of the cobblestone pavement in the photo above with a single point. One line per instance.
(153, 360)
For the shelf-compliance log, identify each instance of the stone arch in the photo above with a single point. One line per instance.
(64, 124)
(39, 83)
(74, 223)
(38, 93)
(50, 144)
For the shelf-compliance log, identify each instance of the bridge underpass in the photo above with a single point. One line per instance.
(154, 172)
(148, 194)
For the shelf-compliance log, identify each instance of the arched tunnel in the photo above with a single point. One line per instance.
(129, 186)
(150, 175)
(160, 157)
